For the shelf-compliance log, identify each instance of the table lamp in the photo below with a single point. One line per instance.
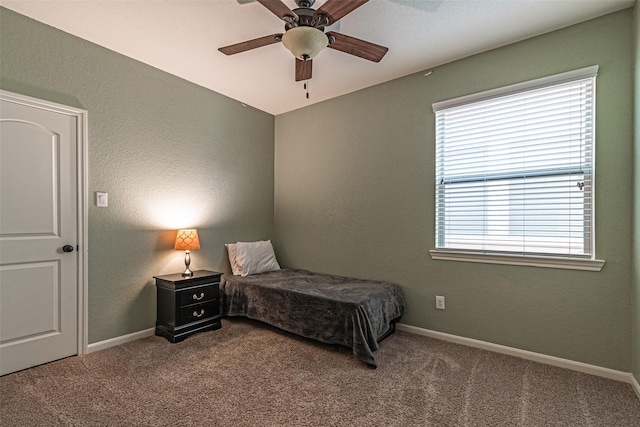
(187, 240)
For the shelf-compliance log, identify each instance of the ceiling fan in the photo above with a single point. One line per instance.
(304, 33)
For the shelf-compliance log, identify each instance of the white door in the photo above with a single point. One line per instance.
(38, 219)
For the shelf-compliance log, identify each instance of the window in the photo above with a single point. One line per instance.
(514, 172)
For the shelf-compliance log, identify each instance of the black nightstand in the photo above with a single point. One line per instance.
(187, 305)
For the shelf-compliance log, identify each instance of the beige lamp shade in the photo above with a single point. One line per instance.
(187, 240)
(305, 42)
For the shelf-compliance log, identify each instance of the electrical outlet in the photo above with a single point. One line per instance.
(440, 303)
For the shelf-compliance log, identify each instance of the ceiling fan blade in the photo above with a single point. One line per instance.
(303, 69)
(251, 44)
(336, 9)
(357, 47)
(279, 9)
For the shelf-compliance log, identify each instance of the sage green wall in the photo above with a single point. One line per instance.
(170, 154)
(354, 195)
(636, 209)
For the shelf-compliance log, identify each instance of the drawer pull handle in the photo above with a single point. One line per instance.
(196, 314)
(198, 298)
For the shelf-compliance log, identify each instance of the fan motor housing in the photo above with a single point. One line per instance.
(305, 3)
(306, 19)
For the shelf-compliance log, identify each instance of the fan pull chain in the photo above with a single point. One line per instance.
(306, 87)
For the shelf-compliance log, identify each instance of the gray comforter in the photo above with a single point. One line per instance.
(331, 309)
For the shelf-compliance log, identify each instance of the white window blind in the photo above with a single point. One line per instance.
(514, 168)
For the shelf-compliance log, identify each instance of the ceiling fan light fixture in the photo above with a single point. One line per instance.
(305, 42)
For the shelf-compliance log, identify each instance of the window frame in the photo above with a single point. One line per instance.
(583, 262)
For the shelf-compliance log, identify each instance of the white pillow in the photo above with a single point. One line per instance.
(232, 251)
(256, 257)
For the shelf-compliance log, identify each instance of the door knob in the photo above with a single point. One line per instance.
(67, 248)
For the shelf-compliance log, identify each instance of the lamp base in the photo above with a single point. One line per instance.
(187, 261)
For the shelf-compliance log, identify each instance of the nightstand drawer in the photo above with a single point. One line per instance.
(193, 313)
(196, 295)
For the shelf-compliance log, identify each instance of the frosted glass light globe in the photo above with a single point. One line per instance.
(305, 42)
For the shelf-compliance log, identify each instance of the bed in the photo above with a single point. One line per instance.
(332, 309)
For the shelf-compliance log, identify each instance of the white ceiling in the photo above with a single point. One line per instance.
(182, 38)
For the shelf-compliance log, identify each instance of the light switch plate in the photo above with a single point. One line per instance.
(102, 200)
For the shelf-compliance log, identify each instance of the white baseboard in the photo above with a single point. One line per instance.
(101, 345)
(599, 371)
(635, 385)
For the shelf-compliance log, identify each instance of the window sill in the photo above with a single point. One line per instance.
(532, 261)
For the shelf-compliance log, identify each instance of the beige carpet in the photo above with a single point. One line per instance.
(248, 374)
